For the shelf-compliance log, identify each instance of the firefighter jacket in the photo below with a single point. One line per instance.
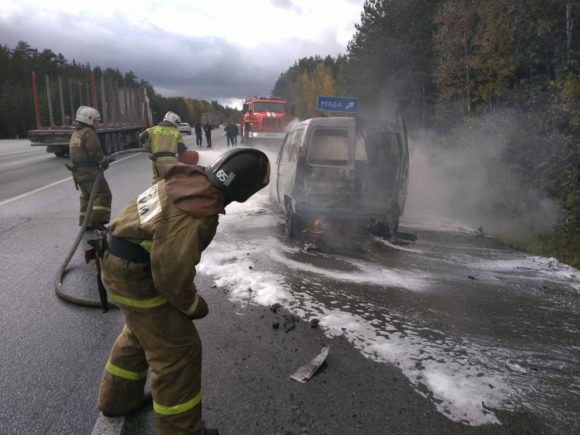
(174, 220)
(165, 142)
(85, 148)
(85, 155)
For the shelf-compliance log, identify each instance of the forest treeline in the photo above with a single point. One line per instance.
(467, 69)
(17, 108)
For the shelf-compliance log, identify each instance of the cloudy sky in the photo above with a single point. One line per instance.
(214, 49)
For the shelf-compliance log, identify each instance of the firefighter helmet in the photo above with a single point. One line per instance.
(173, 118)
(240, 173)
(87, 115)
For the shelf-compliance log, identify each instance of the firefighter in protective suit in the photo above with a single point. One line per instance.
(148, 269)
(86, 156)
(165, 143)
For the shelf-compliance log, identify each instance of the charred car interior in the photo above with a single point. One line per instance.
(339, 175)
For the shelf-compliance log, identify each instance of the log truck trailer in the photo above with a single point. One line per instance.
(124, 110)
(263, 118)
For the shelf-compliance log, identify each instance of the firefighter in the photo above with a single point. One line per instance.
(148, 269)
(165, 143)
(86, 156)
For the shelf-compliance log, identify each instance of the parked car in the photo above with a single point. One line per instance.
(342, 173)
(184, 127)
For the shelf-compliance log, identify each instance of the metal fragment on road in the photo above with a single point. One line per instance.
(305, 372)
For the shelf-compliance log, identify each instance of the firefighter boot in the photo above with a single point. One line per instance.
(147, 401)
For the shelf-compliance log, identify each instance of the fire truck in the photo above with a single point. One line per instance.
(263, 118)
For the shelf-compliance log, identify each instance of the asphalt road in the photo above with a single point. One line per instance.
(24, 168)
(455, 333)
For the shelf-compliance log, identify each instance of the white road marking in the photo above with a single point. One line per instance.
(24, 162)
(24, 195)
(40, 189)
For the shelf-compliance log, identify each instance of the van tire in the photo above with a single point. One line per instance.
(291, 225)
(389, 228)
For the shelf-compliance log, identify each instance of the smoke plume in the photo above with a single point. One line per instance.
(485, 174)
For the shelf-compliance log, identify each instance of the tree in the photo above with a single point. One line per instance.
(456, 22)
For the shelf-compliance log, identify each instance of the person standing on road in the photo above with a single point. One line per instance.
(207, 130)
(86, 156)
(198, 130)
(229, 137)
(148, 269)
(235, 133)
(165, 143)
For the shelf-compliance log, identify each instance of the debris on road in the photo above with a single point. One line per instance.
(314, 323)
(305, 372)
(275, 307)
(289, 322)
(471, 277)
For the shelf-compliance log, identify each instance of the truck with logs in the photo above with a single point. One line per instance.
(125, 112)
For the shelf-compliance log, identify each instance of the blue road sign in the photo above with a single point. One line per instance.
(337, 104)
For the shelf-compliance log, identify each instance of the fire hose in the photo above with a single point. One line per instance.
(60, 291)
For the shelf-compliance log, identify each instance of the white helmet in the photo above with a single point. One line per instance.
(87, 115)
(173, 118)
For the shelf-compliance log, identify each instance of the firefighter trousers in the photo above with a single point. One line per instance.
(164, 340)
(158, 167)
(101, 213)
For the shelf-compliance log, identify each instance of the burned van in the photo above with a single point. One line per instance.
(342, 173)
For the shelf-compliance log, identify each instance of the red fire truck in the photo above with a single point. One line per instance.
(263, 118)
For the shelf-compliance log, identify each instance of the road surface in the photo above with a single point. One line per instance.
(454, 333)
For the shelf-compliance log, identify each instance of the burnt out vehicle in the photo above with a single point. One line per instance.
(339, 175)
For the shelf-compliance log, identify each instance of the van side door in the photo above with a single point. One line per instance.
(287, 162)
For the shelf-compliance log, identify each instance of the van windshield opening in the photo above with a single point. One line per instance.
(329, 146)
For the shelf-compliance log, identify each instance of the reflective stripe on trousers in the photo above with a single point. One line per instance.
(125, 374)
(179, 408)
(96, 208)
(157, 301)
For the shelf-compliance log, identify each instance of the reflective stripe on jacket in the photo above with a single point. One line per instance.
(164, 139)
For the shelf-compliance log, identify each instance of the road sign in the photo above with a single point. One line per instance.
(337, 104)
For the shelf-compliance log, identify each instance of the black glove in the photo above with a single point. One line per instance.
(143, 137)
(201, 310)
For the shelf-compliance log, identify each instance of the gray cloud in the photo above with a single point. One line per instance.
(286, 4)
(176, 65)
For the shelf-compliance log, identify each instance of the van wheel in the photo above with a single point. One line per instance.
(389, 228)
(291, 225)
(382, 229)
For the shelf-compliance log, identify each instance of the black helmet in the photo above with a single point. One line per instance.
(240, 173)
